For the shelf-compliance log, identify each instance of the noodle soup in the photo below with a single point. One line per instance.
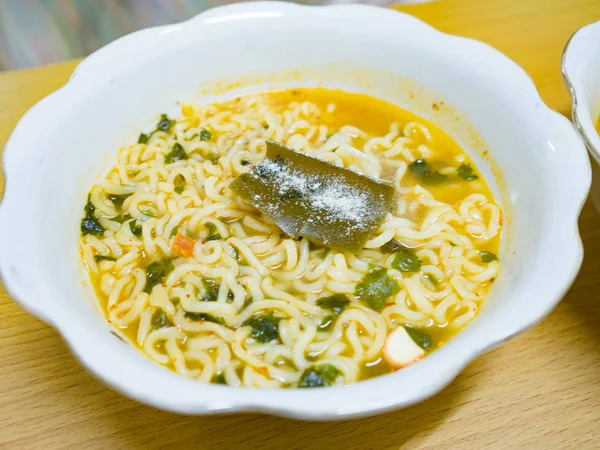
(212, 288)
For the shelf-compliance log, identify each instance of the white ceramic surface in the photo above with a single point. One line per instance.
(62, 145)
(581, 71)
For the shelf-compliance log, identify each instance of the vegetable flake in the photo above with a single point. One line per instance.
(375, 287)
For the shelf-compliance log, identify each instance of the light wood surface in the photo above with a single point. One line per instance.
(541, 390)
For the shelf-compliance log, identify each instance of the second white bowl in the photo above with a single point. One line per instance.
(581, 71)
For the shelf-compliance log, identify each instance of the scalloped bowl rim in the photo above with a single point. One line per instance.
(330, 403)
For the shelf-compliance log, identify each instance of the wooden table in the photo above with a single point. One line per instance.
(541, 390)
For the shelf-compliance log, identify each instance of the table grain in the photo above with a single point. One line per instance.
(541, 390)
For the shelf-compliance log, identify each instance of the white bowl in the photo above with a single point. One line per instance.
(581, 71)
(482, 99)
